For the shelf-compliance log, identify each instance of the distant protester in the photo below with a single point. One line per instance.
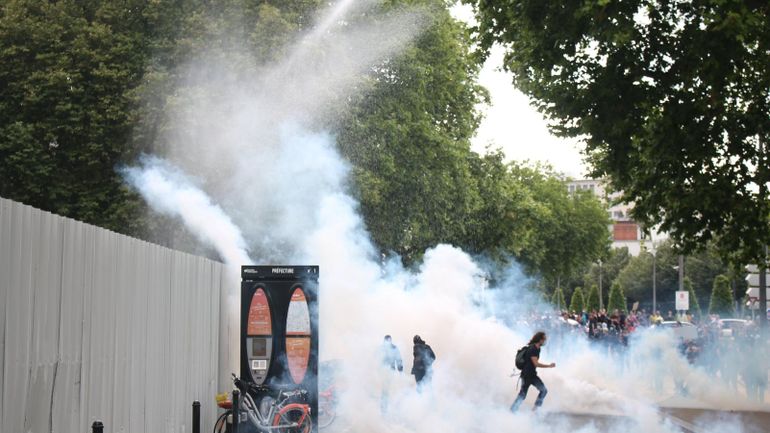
(529, 375)
(392, 365)
(423, 361)
(391, 356)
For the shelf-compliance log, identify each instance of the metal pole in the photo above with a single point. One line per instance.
(97, 427)
(601, 300)
(236, 410)
(681, 277)
(654, 283)
(196, 417)
(763, 290)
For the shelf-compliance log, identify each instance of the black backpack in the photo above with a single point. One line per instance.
(521, 357)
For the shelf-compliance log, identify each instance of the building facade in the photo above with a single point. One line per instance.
(624, 231)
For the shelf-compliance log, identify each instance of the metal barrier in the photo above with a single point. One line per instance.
(98, 426)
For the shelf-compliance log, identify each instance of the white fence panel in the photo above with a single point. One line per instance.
(96, 325)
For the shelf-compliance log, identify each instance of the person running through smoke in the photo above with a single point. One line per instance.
(529, 372)
(392, 365)
(423, 360)
(391, 356)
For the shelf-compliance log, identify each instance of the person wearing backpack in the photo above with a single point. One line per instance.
(423, 361)
(528, 360)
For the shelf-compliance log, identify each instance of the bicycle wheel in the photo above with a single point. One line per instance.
(293, 418)
(326, 414)
(221, 425)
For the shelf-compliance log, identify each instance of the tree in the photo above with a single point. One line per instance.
(67, 106)
(502, 225)
(617, 299)
(612, 263)
(570, 230)
(592, 302)
(558, 299)
(577, 304)
(672, 99)
(408, 139)
(703, 266)
(694, 304)
(636, 277)
(722, 302)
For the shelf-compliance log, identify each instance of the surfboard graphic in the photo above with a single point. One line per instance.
(260, 322)
(298, 336)
(259, 336)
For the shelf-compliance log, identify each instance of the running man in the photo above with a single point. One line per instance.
(422, 368)
(529, 372)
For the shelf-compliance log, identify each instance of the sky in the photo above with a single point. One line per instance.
(512, 124)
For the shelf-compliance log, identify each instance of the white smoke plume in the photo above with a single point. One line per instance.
(170, 192)
(278, 185)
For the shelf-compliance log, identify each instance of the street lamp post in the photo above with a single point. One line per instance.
(601, 301)
(654, 281)
(763, 290)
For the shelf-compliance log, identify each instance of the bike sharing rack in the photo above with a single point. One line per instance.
(279, 330)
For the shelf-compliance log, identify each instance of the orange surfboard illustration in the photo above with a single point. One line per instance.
(260, 322)
(259, 336)
(298, 336)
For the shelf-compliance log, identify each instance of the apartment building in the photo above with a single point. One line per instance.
(624, 231)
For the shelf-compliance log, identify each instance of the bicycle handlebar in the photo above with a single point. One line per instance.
(245, 386)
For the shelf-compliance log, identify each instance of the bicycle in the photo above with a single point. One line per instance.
(282, 414)
(326, 407)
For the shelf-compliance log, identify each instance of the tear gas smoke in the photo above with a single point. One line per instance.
(255, 138)
(171, 192)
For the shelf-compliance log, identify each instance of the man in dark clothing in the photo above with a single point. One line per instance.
(529, 372)
(423, 360)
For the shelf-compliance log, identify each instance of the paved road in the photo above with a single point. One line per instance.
(689, 420)
(695, 419)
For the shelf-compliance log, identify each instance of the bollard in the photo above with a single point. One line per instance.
(196, 421)
(97, 427)
(236, 410)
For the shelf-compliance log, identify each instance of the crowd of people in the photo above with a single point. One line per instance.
(736, 354)
(735, 351)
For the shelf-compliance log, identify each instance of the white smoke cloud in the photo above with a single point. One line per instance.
(171, 192)
(278, 185)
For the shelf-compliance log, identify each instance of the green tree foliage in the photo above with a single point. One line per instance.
(694, 304)
(592, 302)
(722, 298)
(701, 267)
(636, 277)
(672, 98)
(67, 106)
(409, 141)
(502, 226)
(557, 300)
(577, 303)
(612, 263)
(570, 229)
(617, 299)
(87, 86)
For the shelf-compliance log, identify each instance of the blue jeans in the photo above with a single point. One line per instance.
(525, 383)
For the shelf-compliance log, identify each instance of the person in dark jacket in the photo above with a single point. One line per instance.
(423, 361)
(529, 372)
